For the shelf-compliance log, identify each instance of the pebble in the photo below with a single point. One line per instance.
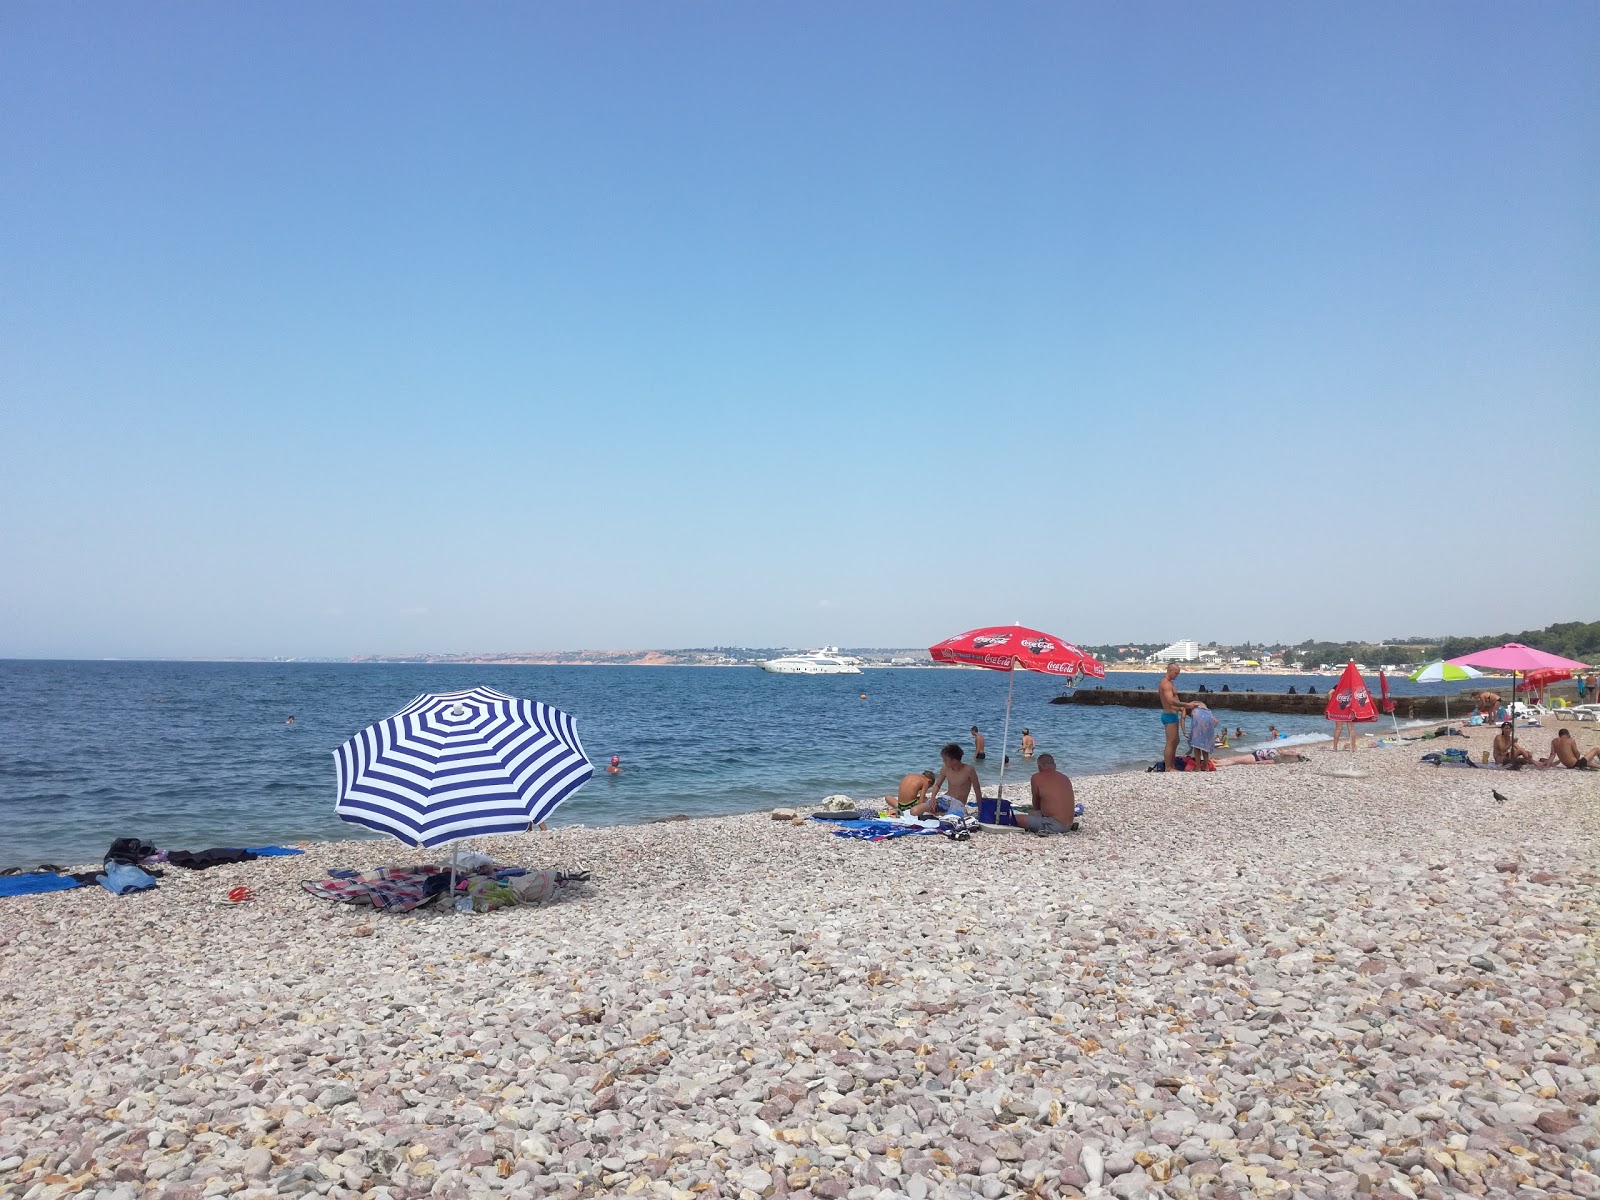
(1223, 984)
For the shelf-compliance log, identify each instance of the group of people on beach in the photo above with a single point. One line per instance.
(1205, 734)
(1054, 805)
(1564, 752)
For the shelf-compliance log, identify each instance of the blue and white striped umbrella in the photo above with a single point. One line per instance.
(460, 764)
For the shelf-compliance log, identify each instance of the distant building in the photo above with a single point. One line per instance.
(1184, 651)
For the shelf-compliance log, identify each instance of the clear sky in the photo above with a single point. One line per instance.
(331, 328)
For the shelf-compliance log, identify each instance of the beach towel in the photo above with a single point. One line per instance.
(273, 851)
(36, 883)
(881, 831)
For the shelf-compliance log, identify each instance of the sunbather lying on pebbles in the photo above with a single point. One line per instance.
(1260, 758)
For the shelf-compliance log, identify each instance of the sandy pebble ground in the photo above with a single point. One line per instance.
(1264, 982)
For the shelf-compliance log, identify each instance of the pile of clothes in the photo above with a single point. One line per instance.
(130, 865)
(1455, 756)
(481, 885)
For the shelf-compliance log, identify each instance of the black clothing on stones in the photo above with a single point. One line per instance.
(131, 851)
(199, 860)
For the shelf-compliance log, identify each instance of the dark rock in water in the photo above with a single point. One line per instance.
(674, 817)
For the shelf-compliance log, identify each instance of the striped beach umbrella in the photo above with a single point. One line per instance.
(460, 764)
(1444, 672)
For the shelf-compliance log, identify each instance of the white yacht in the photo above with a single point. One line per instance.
(827, 661)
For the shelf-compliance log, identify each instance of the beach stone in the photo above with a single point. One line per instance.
(1555, 1122)
(257, 1163)
(1119, 1164)
(332, 1097)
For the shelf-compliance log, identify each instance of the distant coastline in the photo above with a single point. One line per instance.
(661, 658)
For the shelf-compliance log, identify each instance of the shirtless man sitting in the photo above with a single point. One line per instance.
(1564, 750)
(915, 790)
(1173, 711)
(1054, 808)
(1506, 751)
(960, 778)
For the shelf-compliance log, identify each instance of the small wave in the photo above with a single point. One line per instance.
(1293, 739)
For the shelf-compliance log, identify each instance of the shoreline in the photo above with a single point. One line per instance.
(1016, 787)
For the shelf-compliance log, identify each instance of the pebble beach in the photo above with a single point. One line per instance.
(1358, 975)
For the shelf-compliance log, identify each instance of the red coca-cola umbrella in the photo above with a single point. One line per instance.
(1007, 647)
(1350, 700)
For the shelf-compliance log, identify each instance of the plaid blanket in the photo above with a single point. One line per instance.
(393, 889)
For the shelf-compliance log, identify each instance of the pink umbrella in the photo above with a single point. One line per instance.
(1516, 658)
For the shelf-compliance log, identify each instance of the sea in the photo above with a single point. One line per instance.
(196, 755)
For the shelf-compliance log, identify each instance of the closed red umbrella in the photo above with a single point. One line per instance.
(1007, 647)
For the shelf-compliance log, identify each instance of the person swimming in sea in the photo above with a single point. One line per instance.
(616, 765)
(977, 745)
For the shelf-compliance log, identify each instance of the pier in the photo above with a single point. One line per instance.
(1265, 702)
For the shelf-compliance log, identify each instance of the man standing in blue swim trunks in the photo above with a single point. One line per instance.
(1173, 711)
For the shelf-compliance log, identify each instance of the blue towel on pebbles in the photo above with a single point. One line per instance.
(273, 851)
(877, 831)
(35, 883)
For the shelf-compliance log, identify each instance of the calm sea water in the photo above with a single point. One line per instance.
(191, 755)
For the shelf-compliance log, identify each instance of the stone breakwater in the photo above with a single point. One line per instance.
(1262, 982)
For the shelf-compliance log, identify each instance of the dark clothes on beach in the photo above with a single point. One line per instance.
(199, 860)
(131, 851)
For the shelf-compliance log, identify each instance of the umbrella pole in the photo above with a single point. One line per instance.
(455, 857)
(1005, 740)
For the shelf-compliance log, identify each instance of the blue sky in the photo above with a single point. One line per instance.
(328, 329)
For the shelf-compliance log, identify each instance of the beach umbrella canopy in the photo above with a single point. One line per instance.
(1350, 700)
(1443, 672)
(1515, 657)
(1007, 647)
(1518, 659)
(1543, 677)
(460, 764)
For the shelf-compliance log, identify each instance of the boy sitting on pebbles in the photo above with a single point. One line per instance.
(960, 778)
